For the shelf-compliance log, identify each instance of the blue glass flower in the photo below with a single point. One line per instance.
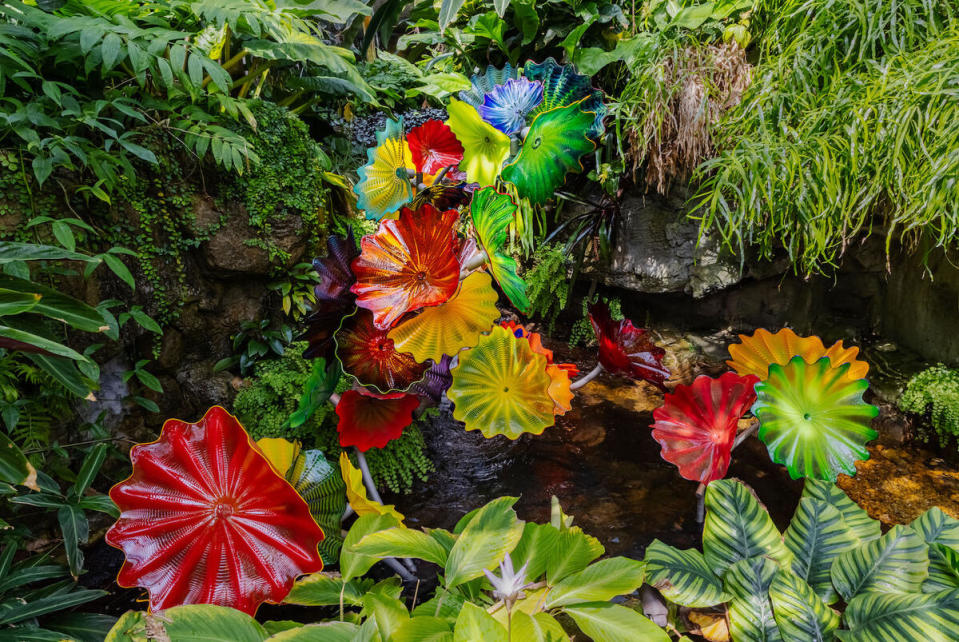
(507, 105)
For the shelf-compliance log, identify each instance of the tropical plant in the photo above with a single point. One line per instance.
(934, 391)
(899, 585)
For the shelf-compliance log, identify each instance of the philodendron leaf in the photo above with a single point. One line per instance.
(574, 551)
(390, 613)
(475, 623)
(799, 612)
(490, 535)
(605, 622)
(897, 562)
(738, 527)
(402, 542)
(750, 611)
(538, 545)
(816, 535)
(353, 563)
(603, 580)
(914, 617)
(683, 577)
(857, 520)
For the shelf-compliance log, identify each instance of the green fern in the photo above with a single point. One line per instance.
(547, 284)
(935, 390)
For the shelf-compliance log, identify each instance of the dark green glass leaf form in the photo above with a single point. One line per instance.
(492, 212)
(812, 418)
(556, 142)
(562, 86)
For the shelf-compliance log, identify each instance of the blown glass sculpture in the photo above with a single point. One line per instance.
(506, 106)
(627, 350)
(369, 356)
(356, 492)
(556, 142)
(436, 381)
(757, 352)
(484, 83)
(562, 86)
(321, 325)
(452, 326)
(500, 387)
(559, 373)
(373, 421)
(812, 418)
(492, 212)
(485, 148)
(205, 519)
(384, 184)
(316, 481)
(696, 425)
(334, 300)
(433, 147)
(407, 264)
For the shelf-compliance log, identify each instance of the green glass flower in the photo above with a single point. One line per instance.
(555, 144)
(492, 213)
(562, 86)
(812, 418)
(485, 148)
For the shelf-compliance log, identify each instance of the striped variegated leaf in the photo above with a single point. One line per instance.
(897, 562)
(857, 521)
(915, 617)
(943, 569)
(935, 526)
(750, 611)
(738, 527)
(816, 535)
(799, 612)
(683, 577)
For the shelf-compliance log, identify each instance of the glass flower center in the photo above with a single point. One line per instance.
(421, 275)
(807, 416)
(223, 508)
(537, 141)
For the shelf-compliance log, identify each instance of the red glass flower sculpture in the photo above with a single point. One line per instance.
(410, 263)
(434, 147)
(368, 421)
(627, 350)
(696, 425)
(205, 519)
(368, 355)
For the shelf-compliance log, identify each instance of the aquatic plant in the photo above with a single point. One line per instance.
(205, 519)
(902, 585)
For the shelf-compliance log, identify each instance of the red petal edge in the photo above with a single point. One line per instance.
(205, 519)
(372, 422)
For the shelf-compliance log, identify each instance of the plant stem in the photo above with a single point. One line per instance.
(744, 435)
(589, 376)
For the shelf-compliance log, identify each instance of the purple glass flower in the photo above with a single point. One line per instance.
(505, 107)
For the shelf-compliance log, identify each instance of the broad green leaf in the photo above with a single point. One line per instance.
(189, 623)
(878, 617)
(424, 628)
(603, 580)
(605, 622)
(935, 526)
(490, 535)
(44, 605)
(389, 612)
(750, 612)
(448, 11)
(536, 547)
(324, 589)
(82, 627)
(402, 542)
(738, 527)
(56, 305)
(42, 343)
(76, 530)
(444, 605)
(574, 551)
(683, 577)
(897, 562)
(799, 612)
(475, 623)
(354, 564)
(943, 569)
(815, 536)
(10, 252)
(12, 302)
(541, 627)
(91, 465)
(322, 632)
(65, 371)
(14, 467)
(856, 519)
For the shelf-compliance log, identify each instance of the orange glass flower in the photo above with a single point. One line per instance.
(205, 519)
(757, 352)
(408, 264)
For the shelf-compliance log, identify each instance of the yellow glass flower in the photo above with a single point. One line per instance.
(559, 390)
(384, 184)
(452, 326)
(757, 352)
(356, 492)
(485, 148)
(501, 387)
